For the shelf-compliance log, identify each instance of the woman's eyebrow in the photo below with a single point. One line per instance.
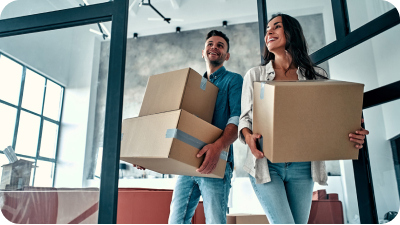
(274, 24)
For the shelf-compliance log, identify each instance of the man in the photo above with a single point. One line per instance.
(214, 191)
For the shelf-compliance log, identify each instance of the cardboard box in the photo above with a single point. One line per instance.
(181, 89)
(16, 175)
(147, 141)
(143, 206)
(326, 208)
(246, 219)
(307, 120)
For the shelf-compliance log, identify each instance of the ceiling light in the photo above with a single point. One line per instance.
(178, 30)
(105, 29)
(95, 31)
(135, 36)
(224, 23)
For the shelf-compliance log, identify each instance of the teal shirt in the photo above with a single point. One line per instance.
(227, 106)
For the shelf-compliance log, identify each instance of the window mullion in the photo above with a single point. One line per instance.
(58, 135)
(21, 93)
(40, 132)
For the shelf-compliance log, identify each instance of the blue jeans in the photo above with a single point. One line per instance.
(187, 193)
(287, 198)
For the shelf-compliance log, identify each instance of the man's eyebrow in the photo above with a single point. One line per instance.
(221, 43)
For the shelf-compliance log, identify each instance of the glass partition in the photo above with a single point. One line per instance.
(372, 63)
(361, 12)
(315, 17)
(49, 89)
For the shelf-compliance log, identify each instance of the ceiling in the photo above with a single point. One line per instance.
(196, 14)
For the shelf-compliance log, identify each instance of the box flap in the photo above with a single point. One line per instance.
(198, 101)
(198, 128)
(139, 142)
(204, 132)
(164, 92)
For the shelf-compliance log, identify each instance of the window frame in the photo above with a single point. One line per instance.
(43, 118)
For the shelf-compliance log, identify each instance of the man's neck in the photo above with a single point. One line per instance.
(211, 69)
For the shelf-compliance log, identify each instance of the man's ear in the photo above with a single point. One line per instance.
(228, 55)
(202, 54)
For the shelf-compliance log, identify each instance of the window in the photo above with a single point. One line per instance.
(30, 106)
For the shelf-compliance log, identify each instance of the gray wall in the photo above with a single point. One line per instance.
(157, 54)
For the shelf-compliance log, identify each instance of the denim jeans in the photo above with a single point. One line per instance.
(287, 198)
(187, 193)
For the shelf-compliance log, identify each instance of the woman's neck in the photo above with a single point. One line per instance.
(282, 60)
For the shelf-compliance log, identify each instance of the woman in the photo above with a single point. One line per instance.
(283, 189)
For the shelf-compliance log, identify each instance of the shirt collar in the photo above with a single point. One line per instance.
(220, 72)
(271, 72)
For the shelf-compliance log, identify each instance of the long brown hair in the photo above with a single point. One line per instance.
(296, 46)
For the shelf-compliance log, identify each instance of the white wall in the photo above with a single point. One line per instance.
(77, 125)
(373, 63)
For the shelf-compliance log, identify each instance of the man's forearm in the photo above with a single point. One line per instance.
(228, 136)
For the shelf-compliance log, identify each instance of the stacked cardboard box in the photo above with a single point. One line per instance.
(16, 175)
(173, 124)
(307, 120)
(326, 209)
(143, 206)
(242, 218)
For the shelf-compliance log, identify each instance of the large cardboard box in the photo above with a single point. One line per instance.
(307, 120)
(143, 206)
(181, 89)
(246, 219)
(169, 142)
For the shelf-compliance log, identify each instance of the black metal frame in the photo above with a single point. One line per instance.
(117, 12)
(395, 144)
(262, 24)
(43, 118)
(344, 41)
(358, 36)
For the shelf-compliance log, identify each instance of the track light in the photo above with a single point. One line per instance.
(224, 23)
(135, 36)
(178, 30)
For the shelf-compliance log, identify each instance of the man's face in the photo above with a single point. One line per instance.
(215, 50)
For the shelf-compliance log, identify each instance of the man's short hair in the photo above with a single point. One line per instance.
(219, 34)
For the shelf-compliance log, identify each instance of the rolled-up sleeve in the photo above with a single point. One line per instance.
(235, 93)
(246, 116)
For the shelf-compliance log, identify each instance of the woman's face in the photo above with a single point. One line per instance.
(275, 38)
